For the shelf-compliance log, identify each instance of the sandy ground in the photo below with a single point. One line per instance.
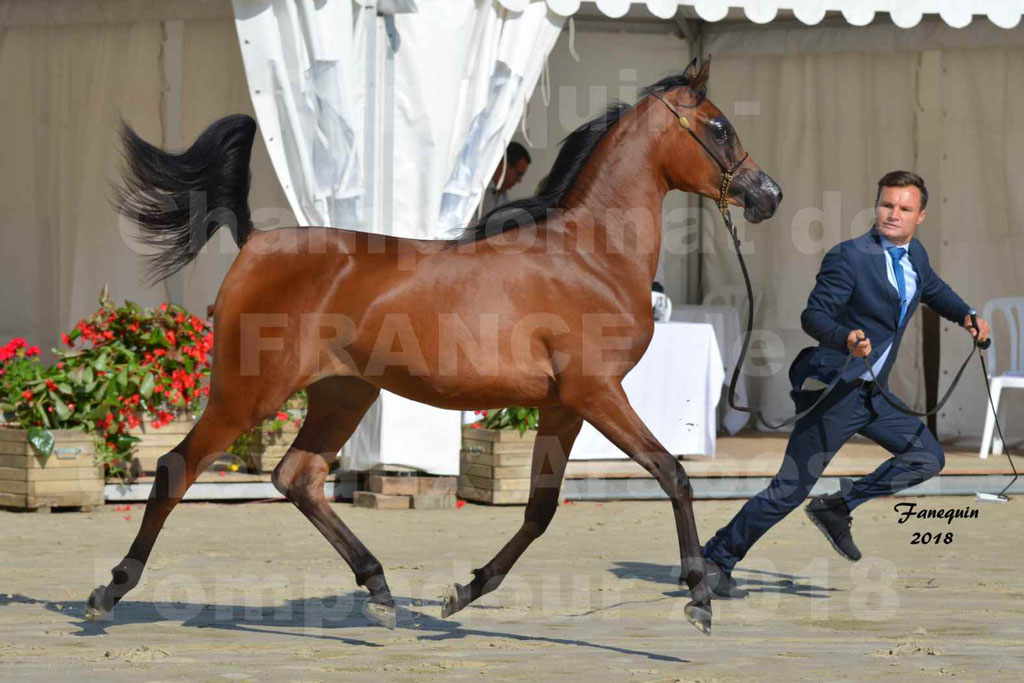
(252, 591)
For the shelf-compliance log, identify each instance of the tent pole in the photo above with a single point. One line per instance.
(369, 116)
(692, 31)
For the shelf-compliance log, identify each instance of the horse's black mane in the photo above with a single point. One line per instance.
(577, 147)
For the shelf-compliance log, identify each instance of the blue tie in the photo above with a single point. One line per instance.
(901, 283)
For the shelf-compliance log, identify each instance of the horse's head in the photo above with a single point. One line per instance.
(700, 147)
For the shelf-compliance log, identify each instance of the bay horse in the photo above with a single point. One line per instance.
(514, 312)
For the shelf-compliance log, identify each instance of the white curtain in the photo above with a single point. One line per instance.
(65, 88)
(507, 56)
(300, 62)
(463, 71)
(981, 210)
(73, 81)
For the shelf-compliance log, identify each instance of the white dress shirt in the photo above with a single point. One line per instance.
(910, 281)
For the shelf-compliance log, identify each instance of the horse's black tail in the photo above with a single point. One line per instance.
(180, 200)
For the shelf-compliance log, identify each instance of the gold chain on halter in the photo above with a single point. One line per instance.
(723, 198)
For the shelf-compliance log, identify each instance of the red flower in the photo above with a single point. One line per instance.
(163, 307)
(171, 339)
(459, 504)
(282, 417)
(60, 366)
(32, 351)
(66, 339)
(27, 395)
(159, 352)
(50, 385)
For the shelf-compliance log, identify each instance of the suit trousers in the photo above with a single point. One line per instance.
(850, 409)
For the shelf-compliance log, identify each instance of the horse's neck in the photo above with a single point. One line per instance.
(616, 202)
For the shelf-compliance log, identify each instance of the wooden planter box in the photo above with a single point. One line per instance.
(494, 465)
(70, 477)
(274, 448)
(157, 442)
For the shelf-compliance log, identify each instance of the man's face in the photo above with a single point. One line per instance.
(898, 213)
(513, 174)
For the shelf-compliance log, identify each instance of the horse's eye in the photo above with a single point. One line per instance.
(720, 132)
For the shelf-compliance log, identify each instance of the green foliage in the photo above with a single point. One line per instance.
(120, 362)
(270, 430)
(518, 418)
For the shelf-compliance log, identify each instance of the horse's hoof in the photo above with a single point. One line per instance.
(699, 616)
(450, 602)
(380, 614)
(95, 606)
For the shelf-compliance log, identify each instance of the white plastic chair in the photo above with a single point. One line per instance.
(1012, 308)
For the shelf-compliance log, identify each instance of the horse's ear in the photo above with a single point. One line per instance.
(701, 81)
(690, 73)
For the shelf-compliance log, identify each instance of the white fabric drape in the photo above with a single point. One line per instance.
(66, 87)
(508, 53)
(64, 238)
(300, 62)
(980, 208)
(904, 13)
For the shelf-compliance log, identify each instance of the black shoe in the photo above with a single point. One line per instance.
(721, 583)
(833, 518)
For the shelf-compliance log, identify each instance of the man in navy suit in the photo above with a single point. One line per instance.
(866, 292)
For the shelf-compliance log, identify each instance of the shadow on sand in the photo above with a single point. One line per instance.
(754, 580)
(317, 618)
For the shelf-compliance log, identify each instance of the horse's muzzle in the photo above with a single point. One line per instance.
(761, 196)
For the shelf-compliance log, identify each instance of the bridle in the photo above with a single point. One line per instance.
(723, 207)
(727, 172)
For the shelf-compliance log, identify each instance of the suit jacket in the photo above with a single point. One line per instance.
(853, 292)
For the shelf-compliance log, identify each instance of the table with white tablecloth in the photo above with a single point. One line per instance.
(726, 321)
(674, 389)
(398, 433)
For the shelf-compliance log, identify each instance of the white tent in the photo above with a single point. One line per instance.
(824, 108)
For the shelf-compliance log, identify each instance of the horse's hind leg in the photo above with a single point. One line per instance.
(212, 434)
(556, 431)
(336, 405)
(608, 409)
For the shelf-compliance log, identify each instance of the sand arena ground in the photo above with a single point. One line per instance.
(252, 591)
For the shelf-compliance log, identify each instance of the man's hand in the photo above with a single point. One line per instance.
(981, 332)
(858, 344)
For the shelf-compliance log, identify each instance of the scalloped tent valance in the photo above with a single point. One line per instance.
(904, 13)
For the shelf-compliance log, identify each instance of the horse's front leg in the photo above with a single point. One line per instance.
(608, 410)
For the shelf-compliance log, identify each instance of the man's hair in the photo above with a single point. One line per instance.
(516, 152)
(903, 179)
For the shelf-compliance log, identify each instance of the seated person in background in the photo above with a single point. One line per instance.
(515, 164)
